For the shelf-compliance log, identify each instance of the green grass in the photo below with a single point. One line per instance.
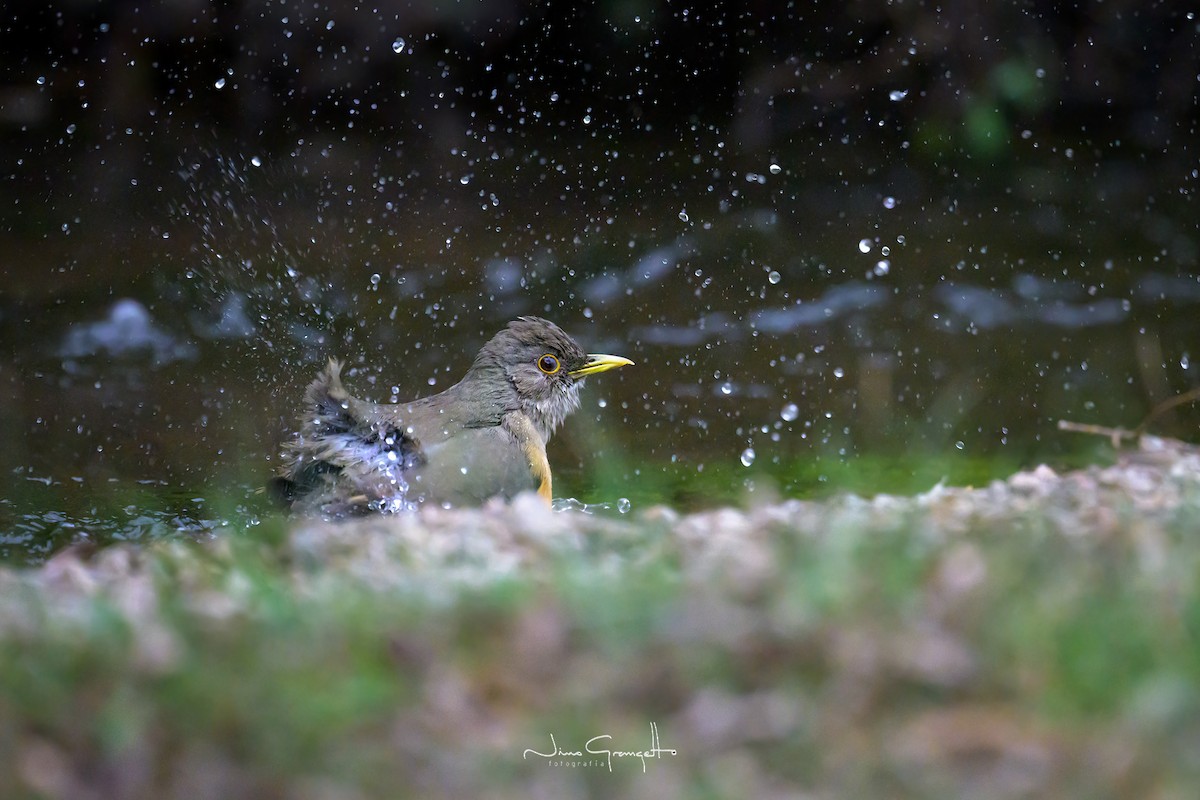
(683, 486)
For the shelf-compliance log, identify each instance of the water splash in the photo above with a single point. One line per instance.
(622, 506)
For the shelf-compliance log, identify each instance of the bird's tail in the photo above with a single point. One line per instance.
(305, 459)
(344, 454)
(327, 403)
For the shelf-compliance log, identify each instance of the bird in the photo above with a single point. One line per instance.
(483, 437)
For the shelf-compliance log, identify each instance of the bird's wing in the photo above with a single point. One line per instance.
(346, 440)
(474, 465)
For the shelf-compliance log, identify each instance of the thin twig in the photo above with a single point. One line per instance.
(1166, 406)
(1114, 434)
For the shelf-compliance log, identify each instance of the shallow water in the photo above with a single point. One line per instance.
(786, 327)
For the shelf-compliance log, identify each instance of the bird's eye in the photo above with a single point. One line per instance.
(548, 364)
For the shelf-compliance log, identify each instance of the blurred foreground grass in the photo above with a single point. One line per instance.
(1038, 637)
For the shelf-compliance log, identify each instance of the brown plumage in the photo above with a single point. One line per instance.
(484, 436)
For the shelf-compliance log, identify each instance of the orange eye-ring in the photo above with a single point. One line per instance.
(548, 364)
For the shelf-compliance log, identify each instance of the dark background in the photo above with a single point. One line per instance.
(850, 245)
(111, 92)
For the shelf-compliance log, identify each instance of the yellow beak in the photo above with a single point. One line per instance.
(598, 362)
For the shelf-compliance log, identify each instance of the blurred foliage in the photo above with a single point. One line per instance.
(416, 77)
(864, 661)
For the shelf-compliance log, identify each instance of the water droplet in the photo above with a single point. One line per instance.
(220, 84)
(726, 388)
(896, 95)
(789, 413)
(864, 245)
(41, 80)
(683, 215)
(960, 445)
(838, 372)
(329, 25)
(773, 277)
(882, 267)
(748, 456)
(775, 169)
(256, 161)
(398, 45)
(889, 202)
(623, 505)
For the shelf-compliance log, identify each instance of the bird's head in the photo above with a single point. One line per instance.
(543, 366)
